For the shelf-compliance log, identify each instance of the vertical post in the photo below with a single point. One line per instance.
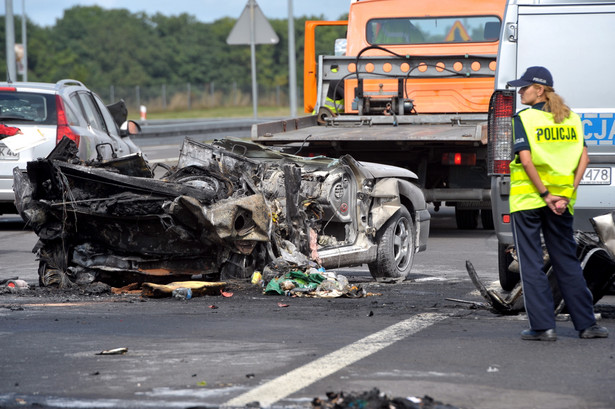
(253, 61)
(24, 41)
(10, 42)
(138, 95)
(212, 92)
(164, 96)
(277, 95)
(292, 69)
(111, 94)
(189, 102)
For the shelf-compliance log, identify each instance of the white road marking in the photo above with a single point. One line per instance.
(299, 378)
(425, 279)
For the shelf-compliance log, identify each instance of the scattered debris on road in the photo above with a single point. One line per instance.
(197, 288)
(16, 285)
(114, 351)
(597, 261)
(374, 399)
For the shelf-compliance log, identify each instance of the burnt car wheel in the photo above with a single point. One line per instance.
(49, 276)
(395, 248)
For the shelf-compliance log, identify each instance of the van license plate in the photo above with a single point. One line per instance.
(597, 176)
(7, 154)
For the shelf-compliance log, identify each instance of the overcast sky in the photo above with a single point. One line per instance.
(45, 12)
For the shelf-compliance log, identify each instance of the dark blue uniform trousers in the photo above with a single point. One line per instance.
(558, 236)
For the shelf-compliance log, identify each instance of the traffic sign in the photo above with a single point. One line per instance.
(458, 33)
(252, 16)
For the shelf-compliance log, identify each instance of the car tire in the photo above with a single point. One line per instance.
(395, 248)
(467, 219)
(508, 279)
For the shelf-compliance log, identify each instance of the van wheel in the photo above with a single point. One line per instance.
(467, 219)
(508, 279)
(395, 248)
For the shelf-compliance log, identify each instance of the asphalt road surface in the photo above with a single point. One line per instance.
(420, 337)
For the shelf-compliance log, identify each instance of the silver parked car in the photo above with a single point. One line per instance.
(45, 113)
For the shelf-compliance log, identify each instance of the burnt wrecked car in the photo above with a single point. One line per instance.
(227, 209)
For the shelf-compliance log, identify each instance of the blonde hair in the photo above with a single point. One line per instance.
(556, 105)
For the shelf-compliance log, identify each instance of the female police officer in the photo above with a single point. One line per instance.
(550, 158)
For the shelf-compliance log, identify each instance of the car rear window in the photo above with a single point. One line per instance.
(27, 107)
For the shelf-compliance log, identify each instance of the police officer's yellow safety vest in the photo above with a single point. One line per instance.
(556, 150)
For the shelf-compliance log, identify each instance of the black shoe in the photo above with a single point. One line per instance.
(544, 335)
(595, 331)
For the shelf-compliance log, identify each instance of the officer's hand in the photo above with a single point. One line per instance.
(557, 204)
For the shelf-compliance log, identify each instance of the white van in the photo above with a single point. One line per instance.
(575, 40)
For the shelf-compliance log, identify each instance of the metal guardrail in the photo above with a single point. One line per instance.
(194, 127)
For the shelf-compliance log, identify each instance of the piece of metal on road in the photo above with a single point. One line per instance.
(299, 378)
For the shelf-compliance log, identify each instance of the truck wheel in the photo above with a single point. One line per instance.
(508, 279)
(467, 219)
(395, 248)
(486, 217)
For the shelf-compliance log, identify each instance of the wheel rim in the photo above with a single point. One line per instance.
(401, 244)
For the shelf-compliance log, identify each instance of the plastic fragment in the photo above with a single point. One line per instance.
(115, 351)
(182, 293)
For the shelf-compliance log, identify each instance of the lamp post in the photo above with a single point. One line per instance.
(24, 59)
(292, 69)
(10, 42)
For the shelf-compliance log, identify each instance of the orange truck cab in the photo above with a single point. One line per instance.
(411, 89)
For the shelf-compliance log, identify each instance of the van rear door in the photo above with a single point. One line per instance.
(576, 42)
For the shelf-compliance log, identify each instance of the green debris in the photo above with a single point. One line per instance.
(294, 280)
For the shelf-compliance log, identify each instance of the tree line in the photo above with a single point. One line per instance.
(100, 47)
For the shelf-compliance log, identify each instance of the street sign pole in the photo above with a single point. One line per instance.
(11, 65)
(252, 28)
(292, 69)
(253, 61)
(24, 41)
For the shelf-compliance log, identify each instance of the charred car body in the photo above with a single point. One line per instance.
(227, 209)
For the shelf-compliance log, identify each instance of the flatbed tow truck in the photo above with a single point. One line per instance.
(411, 90)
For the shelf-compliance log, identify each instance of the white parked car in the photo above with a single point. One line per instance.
(45, 113)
